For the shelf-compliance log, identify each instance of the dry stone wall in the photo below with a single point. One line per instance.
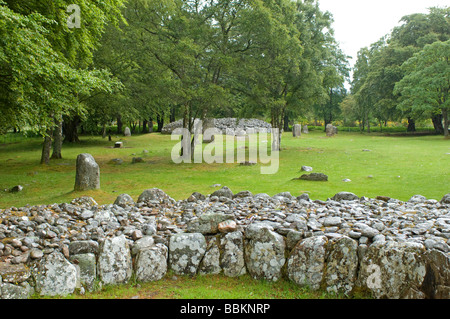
(386, 247)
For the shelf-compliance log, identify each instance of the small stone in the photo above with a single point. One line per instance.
(227, 226)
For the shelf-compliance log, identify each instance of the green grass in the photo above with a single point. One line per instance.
(401, 167)
(207, 287)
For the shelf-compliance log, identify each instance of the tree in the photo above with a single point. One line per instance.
(43, 64)
(426, 84)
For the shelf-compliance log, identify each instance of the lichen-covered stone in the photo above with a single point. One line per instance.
(436, 284)
(232, 259)
(208, 223)
(114, 261)
(211, 261)
(185, 252)
(55, 276)
(307, 262)
(88, 268)
(341, 265)
(151, 263)
(264, 252)
(391, 269)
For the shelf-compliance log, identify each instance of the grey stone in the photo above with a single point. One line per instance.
(446, 199)
(297, 130)
(151, 263)
(88, 269)
(124, 200)
(320, 177)
(114, 261)
(344, 196)
(155, 194)
(185, 252)
(306, 262)
(389, 269)
(264, 252)
(224, 192)
(232, 259)
(12, 291)
(55, 276)
(87, 173)
(208, 223)
(307, 169)
(127, 131)
(210, 264)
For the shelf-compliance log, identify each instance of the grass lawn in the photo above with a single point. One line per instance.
(400, 168)
(208, 287)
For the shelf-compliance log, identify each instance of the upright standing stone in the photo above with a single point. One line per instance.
(87, 173)
(305, 129)
(297, 130)
(329, 130)
(208, 124)
(185, 252)
(127, 132)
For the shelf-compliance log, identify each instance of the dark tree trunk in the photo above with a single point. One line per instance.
(172, 114)
(437, 123)
(286, 123)
(70, 129)
(411, 125)
(445, 117)
(119, 124)
(144, 127)
(46, 148)
(160, 121)
(57, 141)
(150, 126)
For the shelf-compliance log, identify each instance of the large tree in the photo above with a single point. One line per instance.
(426, 83)
(44, 65)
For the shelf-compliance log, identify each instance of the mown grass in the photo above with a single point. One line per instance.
(400, 168)
(207, 287)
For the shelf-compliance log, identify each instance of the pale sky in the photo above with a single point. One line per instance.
(359, 23)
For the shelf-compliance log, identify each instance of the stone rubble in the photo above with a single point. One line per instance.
(387, 247)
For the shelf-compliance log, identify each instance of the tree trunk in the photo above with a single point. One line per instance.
(286, 123)
(411, 125)
(150, 126)
(160, 121)
(144, 127)
(57, 141)
(445, 117)
(70, 128)
(104, 131)
(119, 124)
(172, 114)
(46, 148)
(437, 123)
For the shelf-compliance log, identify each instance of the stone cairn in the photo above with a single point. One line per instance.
(387, 247)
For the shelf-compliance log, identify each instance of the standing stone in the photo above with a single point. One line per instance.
(55, 276)
(232, 259)
(185, 252)
(436, 284)
(305, 129)
(307, 262)
(114, 261)
(297, 130)
(264, 252)
(87, 173)
(329, 130)
(127, 132)
(151, 263)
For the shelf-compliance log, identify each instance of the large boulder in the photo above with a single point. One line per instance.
(232, 259)
(317, 177)
(87, 173)
(341, 265)
(264, 252)
(344, 196)
(306, 263)
(114, 261)
(210, 265)
(185, 252)
(55, 276)
(151, 263)
(393, 270)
